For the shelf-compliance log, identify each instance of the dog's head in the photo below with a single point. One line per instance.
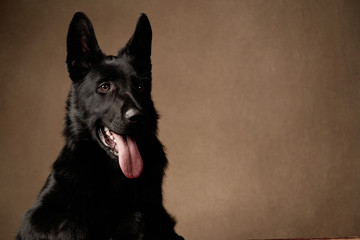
(110, 98)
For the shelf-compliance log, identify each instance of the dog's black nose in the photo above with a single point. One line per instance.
(133, 115)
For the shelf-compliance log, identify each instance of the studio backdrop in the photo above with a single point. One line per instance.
(259, 105)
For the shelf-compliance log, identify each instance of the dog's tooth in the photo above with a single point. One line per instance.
(103, 140)
(107, 132)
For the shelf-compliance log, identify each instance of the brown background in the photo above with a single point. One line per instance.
(260, 105)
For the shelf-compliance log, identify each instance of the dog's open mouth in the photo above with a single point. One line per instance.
(125, 148)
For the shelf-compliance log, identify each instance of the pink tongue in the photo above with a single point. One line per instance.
(130, 159)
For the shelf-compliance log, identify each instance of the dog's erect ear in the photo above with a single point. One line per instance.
(139, 44)
(82, 47)
(138, 47)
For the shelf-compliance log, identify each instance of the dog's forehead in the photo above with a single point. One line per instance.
(117, 67)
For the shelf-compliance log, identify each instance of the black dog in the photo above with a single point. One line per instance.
(107, 180)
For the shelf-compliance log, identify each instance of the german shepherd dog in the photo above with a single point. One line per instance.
(107, 181)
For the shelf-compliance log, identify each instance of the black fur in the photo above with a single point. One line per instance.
(87, 196)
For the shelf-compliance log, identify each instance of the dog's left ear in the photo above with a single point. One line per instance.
(82, 48)
(138, 47)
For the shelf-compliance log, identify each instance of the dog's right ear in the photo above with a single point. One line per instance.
(82, 47)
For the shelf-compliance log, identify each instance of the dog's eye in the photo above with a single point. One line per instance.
(104, 87)
(140, 89)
